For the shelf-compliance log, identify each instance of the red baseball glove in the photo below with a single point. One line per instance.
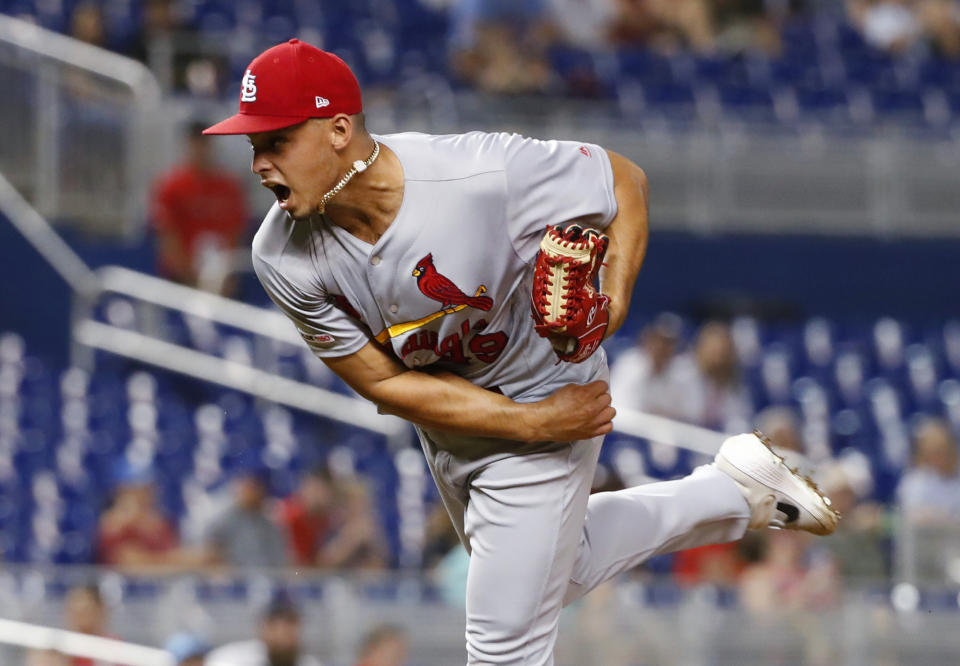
(567, 307)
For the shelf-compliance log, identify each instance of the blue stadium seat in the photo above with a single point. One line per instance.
(579, 72)
(799, 38)
(901, 106)
(940, 73)
(670, 96)
(800, 70)
(823, 103)
(849, 40)
(645, 66)
(674, 103)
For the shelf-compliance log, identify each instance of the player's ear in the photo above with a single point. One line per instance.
(341, 131)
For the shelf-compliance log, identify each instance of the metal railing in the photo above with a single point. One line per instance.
(78, 127)
(262, 323)
(43, 638)
(623, 623)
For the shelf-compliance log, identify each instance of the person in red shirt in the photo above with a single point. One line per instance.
(198, 211)
(133, 533)
(86, 613)
(716, 564)
(306, 515)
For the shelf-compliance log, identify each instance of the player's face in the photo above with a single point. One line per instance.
(298, 164)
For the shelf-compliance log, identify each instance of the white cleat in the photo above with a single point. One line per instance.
(778, 496)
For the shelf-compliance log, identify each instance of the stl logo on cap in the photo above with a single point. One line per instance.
(294, 82)
(249, 87)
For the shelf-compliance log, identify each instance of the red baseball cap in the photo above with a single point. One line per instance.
(289, 83)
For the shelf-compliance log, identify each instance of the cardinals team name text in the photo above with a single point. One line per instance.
(485, 347)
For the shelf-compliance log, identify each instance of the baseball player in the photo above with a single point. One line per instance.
(452, 280)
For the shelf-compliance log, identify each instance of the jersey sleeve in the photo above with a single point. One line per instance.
(555, 182)
(328, 331)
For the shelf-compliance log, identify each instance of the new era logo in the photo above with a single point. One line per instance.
(323, 339)
(249, 93)
(321, 101)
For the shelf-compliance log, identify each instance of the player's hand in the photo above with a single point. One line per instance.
(573, 412)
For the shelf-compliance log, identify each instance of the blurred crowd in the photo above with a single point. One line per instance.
(277, 639)
(507, 46)
(330, 522)
(777, 570)
(898, 26)
(327, 523)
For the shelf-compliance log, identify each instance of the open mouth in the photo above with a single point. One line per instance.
(282, 192)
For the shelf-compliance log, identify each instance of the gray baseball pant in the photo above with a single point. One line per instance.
(538, 540)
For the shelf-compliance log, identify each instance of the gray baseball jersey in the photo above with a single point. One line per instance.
(449, 282)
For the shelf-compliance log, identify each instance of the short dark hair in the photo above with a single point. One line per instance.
(380, 633)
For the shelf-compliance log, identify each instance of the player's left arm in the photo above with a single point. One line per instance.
(628, 238)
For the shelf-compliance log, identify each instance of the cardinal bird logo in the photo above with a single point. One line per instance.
(440, 288)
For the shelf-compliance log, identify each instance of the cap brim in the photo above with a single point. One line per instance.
(243, 123)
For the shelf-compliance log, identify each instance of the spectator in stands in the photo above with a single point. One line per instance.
(244, 535)
(384, 645)
(745, 26)
(788, 576)
(306, 514)
(781, 425)
(583, 24)
(899, 25)
(181, 59)
(716, 564)
(652, 378)
(356, 538)
(86, 613)
(133, 533)
(722, 399)
(500, 46)
(87, 24)
(665, 25)
(188, 649)
(200, 215)
(159, 20)
(441, 537)
(791, 584)
(46, 658)
(278, 644)
(929, 492)
(858, 545)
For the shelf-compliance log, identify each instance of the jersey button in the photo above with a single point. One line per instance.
(394, 308)
(375, 260)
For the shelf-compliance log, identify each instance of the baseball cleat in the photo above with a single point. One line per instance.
(778, 496)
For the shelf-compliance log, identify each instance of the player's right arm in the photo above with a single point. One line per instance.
(447, 402)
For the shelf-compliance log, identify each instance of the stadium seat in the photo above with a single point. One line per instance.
(645, 66)
(580, 74)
